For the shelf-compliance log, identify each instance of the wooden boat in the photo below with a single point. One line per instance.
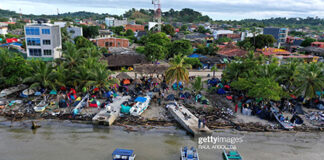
(123, 154)
(28, 92)
(232, 155)
(141, 104)
(186, 119)
(110, 113)
(41, 106)
(189, 154)
(77, 109)
(285, 124)
(12, 90)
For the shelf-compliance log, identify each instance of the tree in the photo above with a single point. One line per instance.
(223, 40)
(263, 40)
(307, 42)
(168, 29)
(267, 89)
(194, 62)
(82, 42)
(154, 52)
(157, 38)
(309, 79)
(201, 29)
(42, 75)
(197, 85)
(184, 28)
(90, 31)
(117, 30)
(178, 70)
(214, 69)
(129, 33)
(183, 47)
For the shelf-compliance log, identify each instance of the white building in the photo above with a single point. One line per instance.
(3, 30)
(61, 24)
(74, 31)
(109, 21)
(112, 22)
(218, 32)
(43, 41)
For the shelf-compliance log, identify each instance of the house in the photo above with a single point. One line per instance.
(318, 44)
(104, 33)
(116, 61)
(109, 21)
(135, 28)
(112, 22)
(216, 33)
(74, 31)
(140, 34)
(109, 42)
(295, 41)
(280, 34)
(43, 41)
(231, 50)
(12, 40)
(61, 24)
(234, 37)
(3, 30)
(284, 55)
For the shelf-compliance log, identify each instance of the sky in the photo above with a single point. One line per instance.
(216, 9)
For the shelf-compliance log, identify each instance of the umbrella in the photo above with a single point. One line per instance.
(123, 75)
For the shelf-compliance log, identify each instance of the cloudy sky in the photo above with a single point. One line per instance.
(217, 9)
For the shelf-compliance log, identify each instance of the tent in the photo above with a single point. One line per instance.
(126, 82)
(53, 92)
(221, 91)
(298, 109)
(171, 97)
(123, 75)
(140, 99)
(125, 108)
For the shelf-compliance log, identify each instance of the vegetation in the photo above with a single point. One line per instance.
(254, 77)
(260, 41)
(90, 31)
(307, 42)
(178, 71)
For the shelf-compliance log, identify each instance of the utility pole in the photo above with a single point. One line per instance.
(58, 13)
(158, 13)
(20, 13)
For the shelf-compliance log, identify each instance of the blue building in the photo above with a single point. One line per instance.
(280, 34)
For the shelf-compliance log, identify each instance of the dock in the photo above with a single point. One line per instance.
(187, 120)
(110, 113)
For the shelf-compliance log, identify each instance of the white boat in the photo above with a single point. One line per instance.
(285, 124)
(141, 104)
(81, 104)
(41, 106)
(28, 92)
(110, 113)
(189, 154)
(12, 90)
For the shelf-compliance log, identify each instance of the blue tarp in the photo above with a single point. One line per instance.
(221, 91)
(14, 43)
(123, 152)
(140, 99)
(195, 56)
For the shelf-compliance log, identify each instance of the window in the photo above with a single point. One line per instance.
(46, 31)
(32, 31)
(47, 52)
(108, 44)
(46, 42)
(33, 41)
(35, 52)
(118, 44)
(72, 31)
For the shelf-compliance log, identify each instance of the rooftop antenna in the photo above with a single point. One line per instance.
(58, 11)
(158, 13)
(20, 13)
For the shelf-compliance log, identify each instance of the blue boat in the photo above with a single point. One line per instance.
(123, 154)
(232, 155)
(189, 154)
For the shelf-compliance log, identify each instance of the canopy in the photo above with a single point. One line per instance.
(221, 91)
(53, 92)
(140, 99)
(123, 152)
(123, 75)
(126, 81)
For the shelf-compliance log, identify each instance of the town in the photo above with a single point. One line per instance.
(148, 69)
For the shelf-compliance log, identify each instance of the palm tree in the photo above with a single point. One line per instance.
(71, 55)
(309, 79)
(214, 69)
(197, 85)
(178, 70)
(43, 75)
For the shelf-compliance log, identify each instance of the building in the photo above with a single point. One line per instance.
(109, 42)
(43, 41)
(280, 34)
(216, 33)
(74, 31)
(318, 44)
(109, 21)
(3, 30)
(61, 24)
(112, 22)
(135, 28)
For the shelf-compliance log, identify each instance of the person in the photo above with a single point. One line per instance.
(236, 107)
(199, 121)
(159, 101)
(204, 123)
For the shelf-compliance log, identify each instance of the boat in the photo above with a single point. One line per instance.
(189, 154)
(81, 104)
(232, 155)
(41, 106)
(28, 92)
(140, 105)
(110, 113)
(123, 154)
(186, 119)
(12, 90)
(286, 124)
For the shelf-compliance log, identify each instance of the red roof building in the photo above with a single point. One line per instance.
(274, 51)
(111, 42)
(231, 50)
(11, 40)
(318, 44)
(135, 28)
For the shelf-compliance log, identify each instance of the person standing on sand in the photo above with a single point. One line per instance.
(204, 122)
(199, 121)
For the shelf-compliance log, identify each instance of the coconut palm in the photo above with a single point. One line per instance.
(197, 85)
(214, 69)
(309, 79)
(71, 55)
(100, 78)
(43, 75)
(178, 70)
